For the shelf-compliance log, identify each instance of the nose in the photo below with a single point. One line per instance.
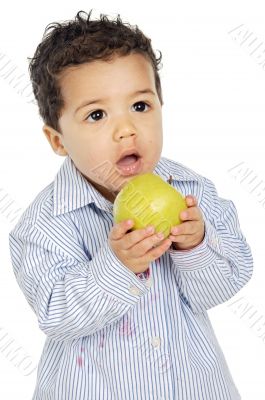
(124, 129)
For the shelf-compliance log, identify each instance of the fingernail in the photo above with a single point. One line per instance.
(129, 222)
(150, 229)
(160, 235)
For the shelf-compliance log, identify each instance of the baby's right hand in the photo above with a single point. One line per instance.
(135, 249)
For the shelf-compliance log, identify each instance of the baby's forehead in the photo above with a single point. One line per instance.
(99, 79)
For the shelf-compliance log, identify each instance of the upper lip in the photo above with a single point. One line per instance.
(128, 153)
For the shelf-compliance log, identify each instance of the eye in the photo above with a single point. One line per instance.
(95, 115)
(140, 105)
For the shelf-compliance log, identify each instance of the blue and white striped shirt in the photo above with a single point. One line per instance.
(112, 335)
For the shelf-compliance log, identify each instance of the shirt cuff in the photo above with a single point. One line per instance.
(115, 278)
(201, 255)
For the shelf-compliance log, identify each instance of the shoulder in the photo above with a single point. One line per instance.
(187, 181)
(178, 170)
(40, 207)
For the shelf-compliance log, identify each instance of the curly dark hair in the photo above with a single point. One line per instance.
(80, 41)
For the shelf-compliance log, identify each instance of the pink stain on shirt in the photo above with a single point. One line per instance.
(101, 344)
(80, 361)
(126, 329)
(143, 275)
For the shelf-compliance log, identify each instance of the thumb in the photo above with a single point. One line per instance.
(191, 200)
(119, 230)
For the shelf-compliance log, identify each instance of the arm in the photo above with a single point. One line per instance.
(218, 267)
(71, 298)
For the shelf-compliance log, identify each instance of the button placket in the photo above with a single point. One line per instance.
(156, 341)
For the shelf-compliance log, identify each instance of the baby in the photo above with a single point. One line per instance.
(124, 311)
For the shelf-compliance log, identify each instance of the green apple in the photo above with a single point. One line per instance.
(148, 200)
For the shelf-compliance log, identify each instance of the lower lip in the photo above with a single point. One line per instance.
(132, 169)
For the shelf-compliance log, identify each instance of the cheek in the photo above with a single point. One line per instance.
(97, 158)
(84, 154)
(155, 143)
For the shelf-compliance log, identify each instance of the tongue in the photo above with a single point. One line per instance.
(127, 160)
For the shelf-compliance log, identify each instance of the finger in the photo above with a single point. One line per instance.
(191, 200)
(160, 249)
(137, 236)
(120, 229)
(141, 248)
(180, 238)
(186, 228)
(155, 252)
(192, 213)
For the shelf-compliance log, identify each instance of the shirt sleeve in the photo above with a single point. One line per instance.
(71, 299)
(216, 269)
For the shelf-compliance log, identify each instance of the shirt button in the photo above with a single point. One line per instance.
(135, 291)
(156, 341)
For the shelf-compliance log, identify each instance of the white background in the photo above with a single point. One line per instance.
(213, 90)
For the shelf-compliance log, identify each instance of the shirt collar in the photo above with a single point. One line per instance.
(71, 190)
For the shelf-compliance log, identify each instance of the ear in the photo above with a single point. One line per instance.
(55, 139)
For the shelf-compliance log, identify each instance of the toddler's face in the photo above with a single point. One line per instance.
(95, 136)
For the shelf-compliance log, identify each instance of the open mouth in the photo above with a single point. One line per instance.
(129, 164)
(128, 160)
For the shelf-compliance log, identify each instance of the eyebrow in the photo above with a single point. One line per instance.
(89, 102)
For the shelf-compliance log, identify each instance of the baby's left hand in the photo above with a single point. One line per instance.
(191, 232)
